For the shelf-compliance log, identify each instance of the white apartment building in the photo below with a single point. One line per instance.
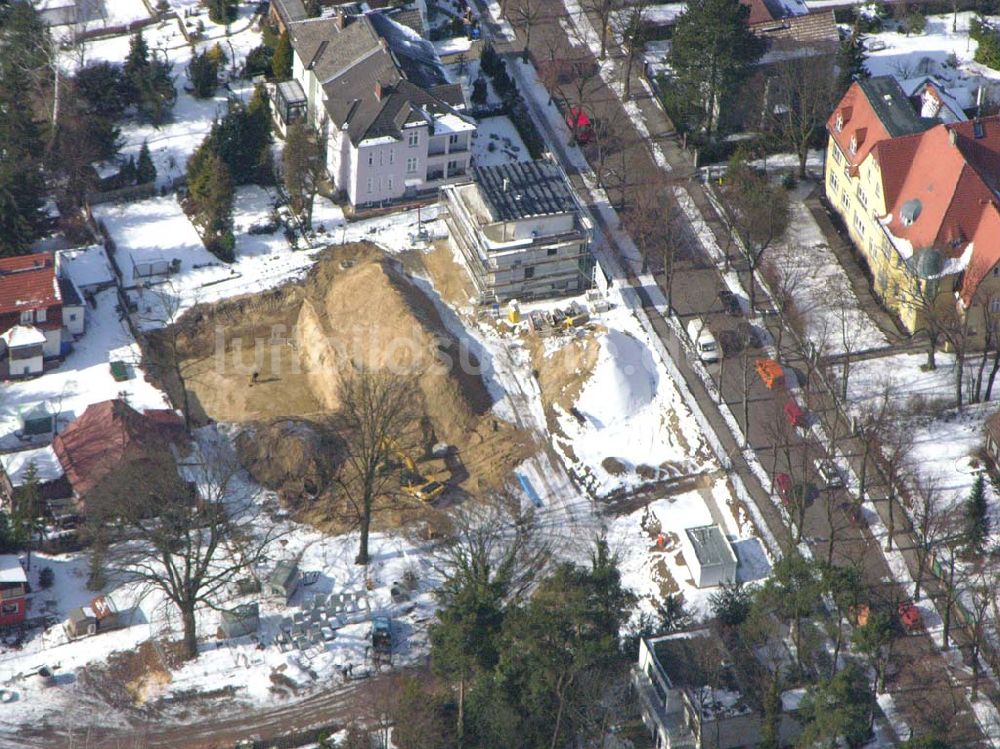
(394, 125)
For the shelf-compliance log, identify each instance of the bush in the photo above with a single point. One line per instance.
(914, 23)
(871, 18)
(223, 246)
(203, 71)
(46, 578)
(988, 49)
(222, 11)
(258, 62)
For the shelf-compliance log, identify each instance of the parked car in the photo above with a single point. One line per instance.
(771, 373)
(794, 414)
(730, 302)
(705, 343)
(750, 335)
(829, 473)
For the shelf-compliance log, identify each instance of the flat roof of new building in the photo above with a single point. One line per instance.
(892, 106)
(524, 189)
(710, 544)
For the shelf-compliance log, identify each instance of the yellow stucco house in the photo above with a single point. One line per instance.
(918, 192)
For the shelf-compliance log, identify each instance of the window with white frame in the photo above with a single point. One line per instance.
(834, 182)
(27, 316)
(411, 165)
(862, 199)
(40, 315)
(859, 224)
(453, 139)
(371, 158)
(837, 158)
(389, 183)
(413, 139)
(369, 185)
(392, 156)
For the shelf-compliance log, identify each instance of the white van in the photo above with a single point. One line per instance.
(704, 342)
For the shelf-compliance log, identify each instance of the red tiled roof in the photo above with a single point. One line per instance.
(953, 174)
(28, 282)
(859, 122)
(109, 434)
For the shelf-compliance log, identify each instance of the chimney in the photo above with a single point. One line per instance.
(378, 90)
(338, 19)
(506, 184)
(953, 136)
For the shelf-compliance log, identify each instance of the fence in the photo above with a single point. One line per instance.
(128, 194)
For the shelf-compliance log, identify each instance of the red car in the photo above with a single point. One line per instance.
(795, 415)
(783, 485)
(581, 126)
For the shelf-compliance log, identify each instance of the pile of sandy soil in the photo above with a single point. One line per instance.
(366, 311)
(294, 457)
(562, 366)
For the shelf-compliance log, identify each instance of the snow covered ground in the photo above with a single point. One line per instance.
(498, 142)
(939, 51)
(821, 292)
(84, 377)
(944, 440)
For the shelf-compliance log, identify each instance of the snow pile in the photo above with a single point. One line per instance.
(623, 383)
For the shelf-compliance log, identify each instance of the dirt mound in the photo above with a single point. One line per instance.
(370, 313)
(291, 456)
(563, 366)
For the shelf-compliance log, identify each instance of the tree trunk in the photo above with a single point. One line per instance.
(559, 714)
(190, 631)
(803, 158)
(627, 85)
(993, 374)
(837, 644)
(460, 729)
(891, 528)
(364, 527)
(959, 377)
(919, 579)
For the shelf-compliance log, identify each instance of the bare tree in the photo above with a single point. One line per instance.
(303, 168)
(189, 545)
(758, 214)
(931, 522)
(631, 28)
(797, 102)
(604, 10)
(377, 412)
(527, 14)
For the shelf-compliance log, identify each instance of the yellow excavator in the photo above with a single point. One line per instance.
(413, 482)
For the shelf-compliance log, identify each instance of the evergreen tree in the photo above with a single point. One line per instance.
(222, 11)
(731, 604)
(145, 169)
(281, 63)
(851, 59)
(977, 518)
(479, 91)
(22, 186)
(210, 200)
(127, 175)
(712, 52)
(29, 511)
(148, 81)
(102, 86)
(258, 62)
(203, 71)
(836, 710)
(242, 139)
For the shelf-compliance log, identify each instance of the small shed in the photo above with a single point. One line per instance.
(240, 621)
(100, 616)
(284, 580)
(709, 556)
(37, 420)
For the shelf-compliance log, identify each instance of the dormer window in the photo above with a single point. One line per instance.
(840, 121)
(854, 145)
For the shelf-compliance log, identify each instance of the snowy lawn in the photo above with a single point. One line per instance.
(944, 440)
(497, 141)
(819, 287)
(158, 231)
(84, 377)
(932, 53)
(651, 571)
